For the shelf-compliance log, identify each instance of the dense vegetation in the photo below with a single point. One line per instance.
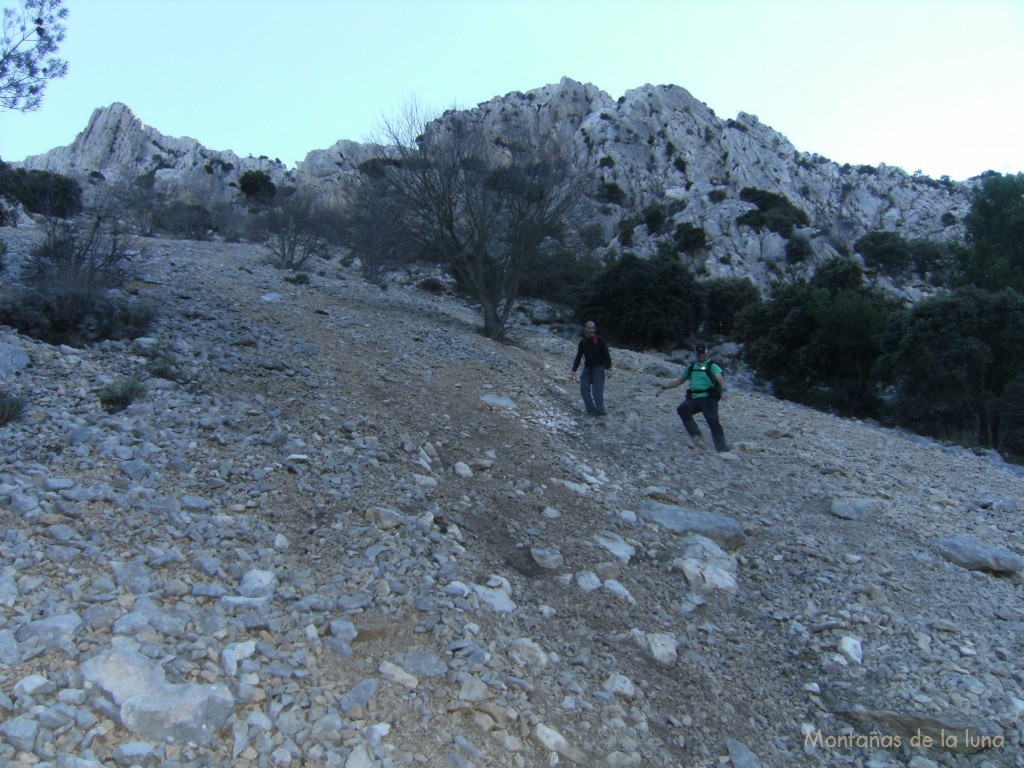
(950, 366)
(40, 192)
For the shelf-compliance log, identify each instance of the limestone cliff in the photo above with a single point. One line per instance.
(655, 145)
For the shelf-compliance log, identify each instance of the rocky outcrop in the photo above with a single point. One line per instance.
(118, 149)
(655, 145)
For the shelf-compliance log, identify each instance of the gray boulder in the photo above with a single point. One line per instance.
(976, 556)
(721, 529)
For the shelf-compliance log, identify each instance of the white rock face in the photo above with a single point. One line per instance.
(654, 145)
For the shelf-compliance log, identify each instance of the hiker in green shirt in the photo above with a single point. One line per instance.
(707, 387)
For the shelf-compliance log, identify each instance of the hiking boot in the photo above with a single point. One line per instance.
(697, 442)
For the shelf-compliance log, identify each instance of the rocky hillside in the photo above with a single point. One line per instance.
(655, 145)
(343, 529)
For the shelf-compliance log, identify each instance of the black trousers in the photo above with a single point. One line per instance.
(709, 407)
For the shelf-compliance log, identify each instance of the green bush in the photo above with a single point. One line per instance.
(11, 408)
(724, 299)
(95, 254)
(431, 285)
(817, 341)
(717, 195)
(76, 316)
(164, 365)
(891, 255)
(65, 298)
(8, 211)
(774, 212)
(189, 221)
(257, 186)
(557, 277)
(118, 395)
(798, 249)
(625, 227)
(42, 192)
(644, 304)
(689, 238)
(298, 278)
(885, 251)
(612, 193)
(995, 234)
(958, 366)
(654, 217)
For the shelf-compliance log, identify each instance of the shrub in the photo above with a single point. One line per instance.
(724, 299)
(717, 195)
(296, 228)
(885, 251)
(774, 212)
(431, 285)
(891, 255)
(118, 395)
(557, 276)
(66, 299)
(8, 211)
(41, 192)
(298, 278)
(958, 365)
(995, 234)
(376, 166)
(654, 217)
(612, 193)
(189, 221)
(74, 316)
(11, 408)
(644, 304)
(257, 186)
(817, 341)
(164, 365)
(625, 227)
(606, 162)
(94, 255)
(689, 238)
(798, 249)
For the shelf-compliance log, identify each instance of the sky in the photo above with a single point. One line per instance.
(935, 86)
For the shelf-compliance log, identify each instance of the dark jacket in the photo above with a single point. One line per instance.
(594, 352)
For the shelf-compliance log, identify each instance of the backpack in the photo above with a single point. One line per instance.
(715, 392)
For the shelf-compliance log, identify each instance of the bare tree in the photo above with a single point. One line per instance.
(482, 204)
(295, 228)
(28, 47)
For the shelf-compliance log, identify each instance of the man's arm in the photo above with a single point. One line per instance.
(720, 378)
(576, 362)
(678, 382)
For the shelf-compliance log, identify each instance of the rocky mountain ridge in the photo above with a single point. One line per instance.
(343, 529)
(654, 145)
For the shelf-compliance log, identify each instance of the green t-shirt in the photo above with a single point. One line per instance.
(702, 377)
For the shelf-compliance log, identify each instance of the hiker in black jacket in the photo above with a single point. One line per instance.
(597, 361)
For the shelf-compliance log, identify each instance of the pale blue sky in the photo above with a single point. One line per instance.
(929, 85)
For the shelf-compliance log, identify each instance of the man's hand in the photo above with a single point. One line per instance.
(572, 375)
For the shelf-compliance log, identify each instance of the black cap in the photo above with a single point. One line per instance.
(701, 348)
